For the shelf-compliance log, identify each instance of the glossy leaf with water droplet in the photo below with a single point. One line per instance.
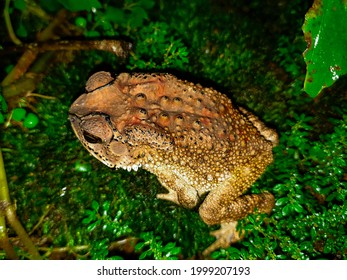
(326, 36)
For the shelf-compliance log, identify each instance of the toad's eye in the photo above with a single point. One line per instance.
(92, 139)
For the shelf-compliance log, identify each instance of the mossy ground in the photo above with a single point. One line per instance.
(250, 50)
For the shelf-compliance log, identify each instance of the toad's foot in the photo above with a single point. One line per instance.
(226, 235)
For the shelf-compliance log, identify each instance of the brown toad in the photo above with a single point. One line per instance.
(204, 150)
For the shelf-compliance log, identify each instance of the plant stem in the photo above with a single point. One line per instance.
(4, 194)
(4, 241)
(7, 210)
(28, 82)
(22, 234)
(23, 80)
(9, 24)
(4, 200)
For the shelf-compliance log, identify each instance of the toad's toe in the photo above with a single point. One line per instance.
(226, 235)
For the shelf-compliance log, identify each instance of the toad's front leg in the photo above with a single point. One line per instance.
(180, 191)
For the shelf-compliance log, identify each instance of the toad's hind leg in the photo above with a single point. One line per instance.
(235, 210)
(228, 217)
(225, 206)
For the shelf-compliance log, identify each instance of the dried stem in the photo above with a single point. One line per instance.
(28, 82)
(15, 86)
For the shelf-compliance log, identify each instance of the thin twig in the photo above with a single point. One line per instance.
(8, 23)
(41, 96)
(42, 218)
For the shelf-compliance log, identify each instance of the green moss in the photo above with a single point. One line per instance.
(251, 52)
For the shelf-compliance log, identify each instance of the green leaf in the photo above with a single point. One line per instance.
(169, 247)
(280, 187)
(92, 226)
(325, 33)
(51, 6)
(143, 255)
(82, 166)
(22, 31)
(114, 15)
(19, 4)
(80, 5)
(147, 4)
(282, 201)
(306, 245)
(286, 210)
(8, 69)
(236, 253)
(139, 246)
(216, 254)
(90, 218)
(175, 251)
(297, 207)
(137, 16)
(106, 206)
(3, 104)
(92, 33)
(95, 205)
(117, 258)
